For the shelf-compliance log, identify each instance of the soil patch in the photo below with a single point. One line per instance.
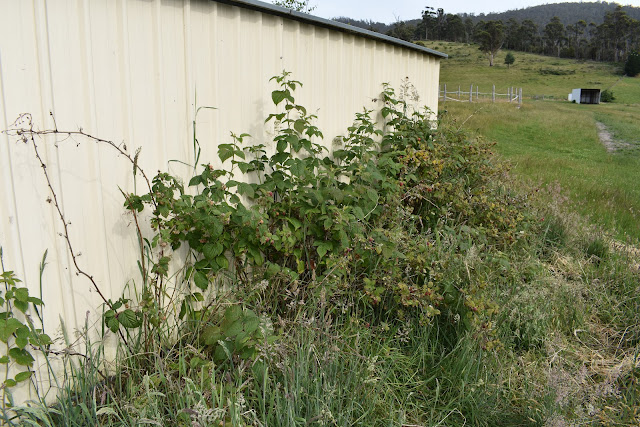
(612, 145)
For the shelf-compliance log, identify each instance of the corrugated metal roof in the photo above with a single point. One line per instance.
(327, 23)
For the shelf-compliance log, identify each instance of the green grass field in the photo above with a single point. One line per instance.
(557, 142)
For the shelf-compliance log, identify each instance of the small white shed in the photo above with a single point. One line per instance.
(585, 96)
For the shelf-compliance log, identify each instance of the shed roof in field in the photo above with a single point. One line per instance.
(327, 23)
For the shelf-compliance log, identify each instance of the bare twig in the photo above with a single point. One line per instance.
(28, 134)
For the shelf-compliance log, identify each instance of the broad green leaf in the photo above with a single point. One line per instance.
(5, 359)
(232, 313)
(246, 189)
(8, 327)
(322, 250)
(113, 324)
(225, 151)
(299, 125)
(22, 294)
(251, 324)
(211, 335)
(201, 281)
(23, 306)
(9, 383)
(280, 95)
(212, 250)
(281, 146)
(357, 211)
(21, 356)
(233, 329)
(372, 195)
(129, 319)
(44, 339)
(223, 262)
(35, 301)
(22, 337)
(295, 222)
(22, 376)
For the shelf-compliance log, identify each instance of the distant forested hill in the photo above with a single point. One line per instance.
(540, 15)
(567, 12)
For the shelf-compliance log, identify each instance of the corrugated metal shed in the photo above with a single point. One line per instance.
(585, 96)
(134, 71)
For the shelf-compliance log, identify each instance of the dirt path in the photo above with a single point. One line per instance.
(608, 141)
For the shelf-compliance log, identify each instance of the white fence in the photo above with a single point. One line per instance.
(475, 95)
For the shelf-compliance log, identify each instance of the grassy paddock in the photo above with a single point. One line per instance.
(557, 142)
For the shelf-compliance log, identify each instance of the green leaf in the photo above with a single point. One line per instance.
(281, 146)
(35, 301)
(233, 329)
(357, 211)
(201, 280)
(322, 250)
(9, 383)
(8, 327)
(23, 306)
(129, 319)
(22, 337)
(232, 313)
(195, 181)
(212, 250)
(113, 324)
(5, 359)
(279, 95)
(246, 189)
(223, 262)
(22, 294)
(44, 339)
(251, 324)
(296, 223)
(225, 151)
(21, 356)
(23, 376)
(299, 125)
(211, 335)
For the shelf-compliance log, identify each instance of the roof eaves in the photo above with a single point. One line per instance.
(327, 23)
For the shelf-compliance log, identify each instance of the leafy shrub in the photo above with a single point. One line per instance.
(607, 96)
(368, 222)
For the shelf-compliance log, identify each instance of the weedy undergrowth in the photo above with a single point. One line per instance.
(386, 282)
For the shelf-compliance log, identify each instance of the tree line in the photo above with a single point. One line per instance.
(613, 40)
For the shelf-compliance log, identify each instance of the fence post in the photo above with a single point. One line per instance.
(520, 97)
(471, 93)
(477, 92)
(509, 94)
(444, 95)
(493, 94)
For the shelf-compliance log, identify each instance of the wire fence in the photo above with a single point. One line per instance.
(513, 95)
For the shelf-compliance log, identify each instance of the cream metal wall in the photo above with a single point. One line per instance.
(134, 71)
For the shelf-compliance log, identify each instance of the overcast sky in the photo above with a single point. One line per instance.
(388, 11)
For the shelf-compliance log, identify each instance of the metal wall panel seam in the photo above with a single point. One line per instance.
(190, 94)
(125, 72)
(96, 151)
(46, 78)
(16, 239)
(159, 83)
